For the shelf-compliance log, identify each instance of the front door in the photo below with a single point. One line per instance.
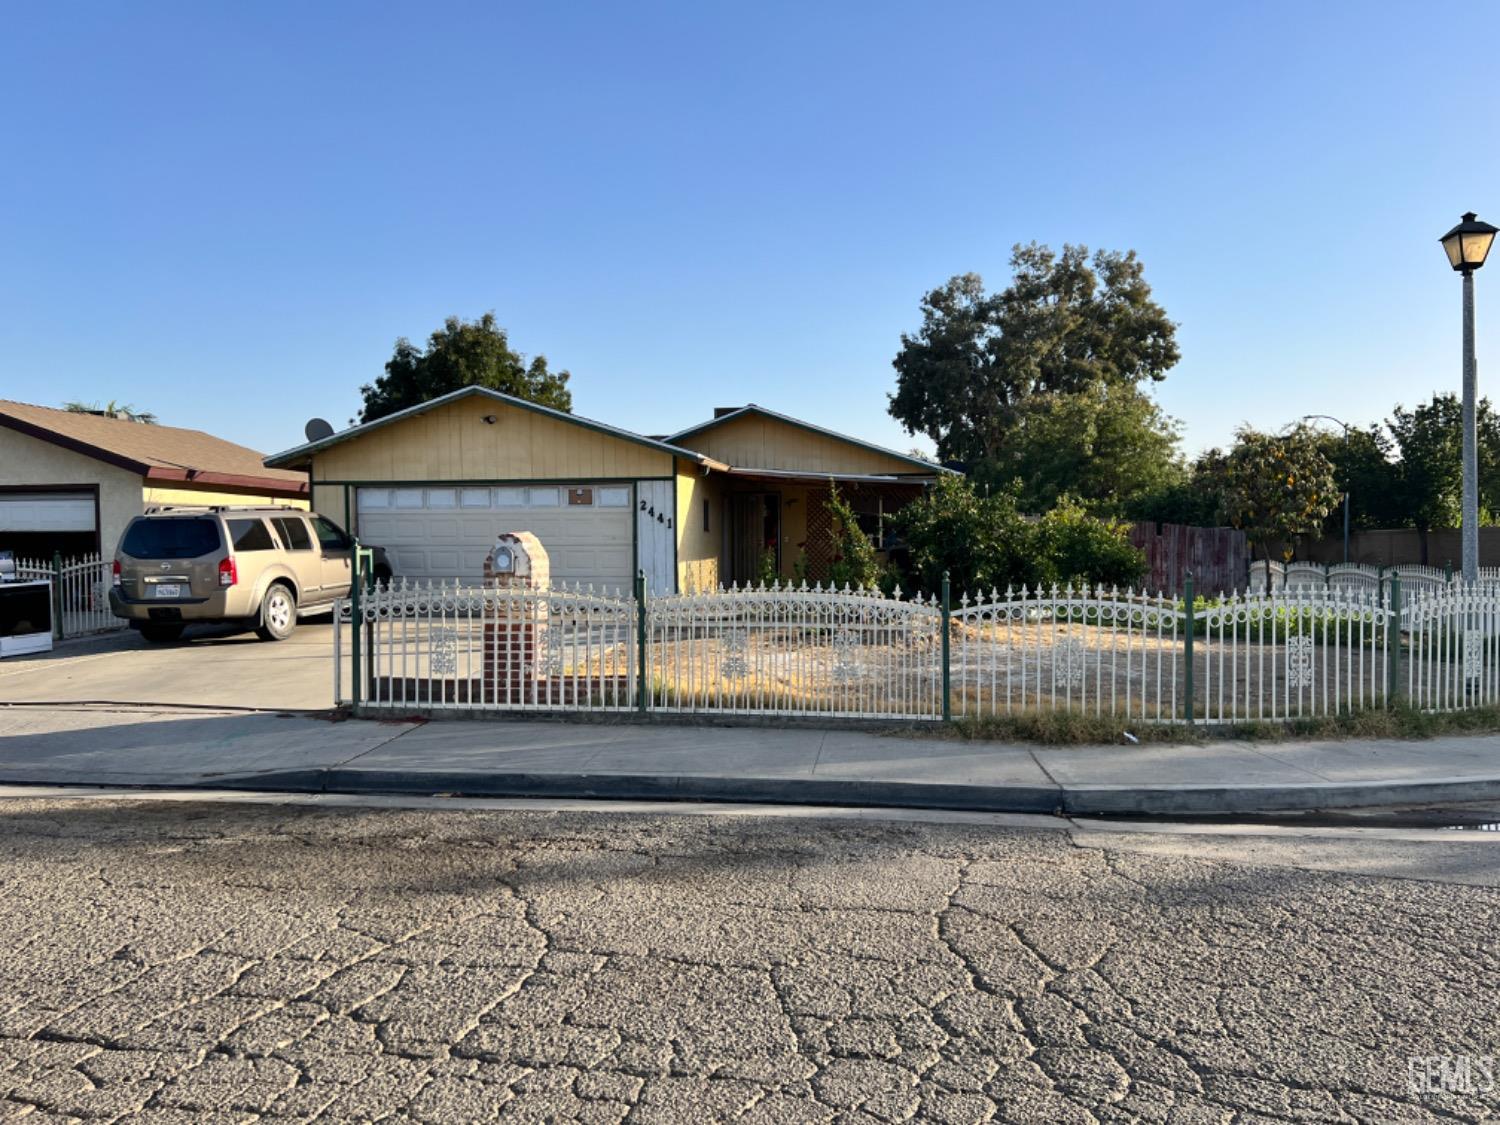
(754, 535)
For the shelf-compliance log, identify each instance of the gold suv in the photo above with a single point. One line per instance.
(260, 567)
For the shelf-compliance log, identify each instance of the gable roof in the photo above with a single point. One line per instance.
(158, 453)
(753, 410)
(298, 455)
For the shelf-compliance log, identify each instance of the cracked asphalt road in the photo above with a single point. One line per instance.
(192, 962)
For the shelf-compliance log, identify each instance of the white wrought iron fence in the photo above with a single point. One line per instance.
(795, 651)
(438, 645)
(1101, 652)
(1453, 648)
(1354, 576)
(80, 593)
(1302, 652)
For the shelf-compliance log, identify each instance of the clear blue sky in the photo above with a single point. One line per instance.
(227, 214)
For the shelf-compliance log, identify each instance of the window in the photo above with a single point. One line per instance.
(706, 507)
(442, 498)
(614, 498)
(374, 497)
(510, 498)
(172, 538)
(331, 537)
(293, 533)
(542, 497)
(580, 497)
(251, 535)
(474, 498)
(408, 497)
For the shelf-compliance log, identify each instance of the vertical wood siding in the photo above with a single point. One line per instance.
(454, 442)
(756, 442)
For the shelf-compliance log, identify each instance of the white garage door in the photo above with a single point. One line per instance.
(446, 532)
(47, 511)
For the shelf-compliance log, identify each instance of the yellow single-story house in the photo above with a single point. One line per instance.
(726, 501)
(70, 482)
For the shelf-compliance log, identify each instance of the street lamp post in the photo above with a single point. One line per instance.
(1467, 245)
(1345, 425)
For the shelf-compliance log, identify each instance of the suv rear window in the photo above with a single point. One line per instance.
(251, 535)
(178, 538)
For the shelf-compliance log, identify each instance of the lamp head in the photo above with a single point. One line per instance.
(1468, 244)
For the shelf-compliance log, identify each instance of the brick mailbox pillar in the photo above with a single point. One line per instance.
(515, 628)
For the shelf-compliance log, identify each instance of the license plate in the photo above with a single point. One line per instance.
(169, 590)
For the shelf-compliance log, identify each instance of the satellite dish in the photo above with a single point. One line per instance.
(317, 429)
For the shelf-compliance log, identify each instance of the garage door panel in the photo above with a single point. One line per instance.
(43, 511)
(586, 544)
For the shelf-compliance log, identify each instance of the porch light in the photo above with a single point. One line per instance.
(1468, 244)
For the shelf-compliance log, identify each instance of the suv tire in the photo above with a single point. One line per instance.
(161, 634)
(278, 613)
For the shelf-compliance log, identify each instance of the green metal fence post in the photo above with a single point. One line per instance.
(356, 623)
(947, 671)
(640, 641)
(1187, 645)
(57, 595)
(1393, 643)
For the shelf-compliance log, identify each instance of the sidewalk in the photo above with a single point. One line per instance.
(155, 746)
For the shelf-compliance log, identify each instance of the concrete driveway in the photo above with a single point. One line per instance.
(208, 668)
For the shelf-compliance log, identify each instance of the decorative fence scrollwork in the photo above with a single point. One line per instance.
(1299, 652)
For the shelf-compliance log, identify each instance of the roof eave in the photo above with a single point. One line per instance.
(41, 433)
(269, 486)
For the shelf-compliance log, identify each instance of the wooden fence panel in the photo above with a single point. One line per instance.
(1218, 557)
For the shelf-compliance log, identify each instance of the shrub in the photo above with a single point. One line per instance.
(1075, 547)
(985, 542)
(854, 562)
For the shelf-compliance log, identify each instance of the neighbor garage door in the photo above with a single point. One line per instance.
(46, 511)
(445, 532)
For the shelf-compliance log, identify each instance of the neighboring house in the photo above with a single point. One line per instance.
(71, 482)
(436, 483)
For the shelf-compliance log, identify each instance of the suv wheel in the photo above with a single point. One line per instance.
(278, 614)
(161, 634)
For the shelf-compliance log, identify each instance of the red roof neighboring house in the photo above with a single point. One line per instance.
(162, 454)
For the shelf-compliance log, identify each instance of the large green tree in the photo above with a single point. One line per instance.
(1364, 465)
(1197, 495)
(984, 364)
(1429, 476)
(462, 353)
(1280, 486)
(1104, 445)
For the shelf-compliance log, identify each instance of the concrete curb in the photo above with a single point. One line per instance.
(1083, 800)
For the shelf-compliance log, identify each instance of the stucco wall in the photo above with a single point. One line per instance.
(28, 461)
(698, 550)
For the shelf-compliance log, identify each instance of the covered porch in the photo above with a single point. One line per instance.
(776, 523)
